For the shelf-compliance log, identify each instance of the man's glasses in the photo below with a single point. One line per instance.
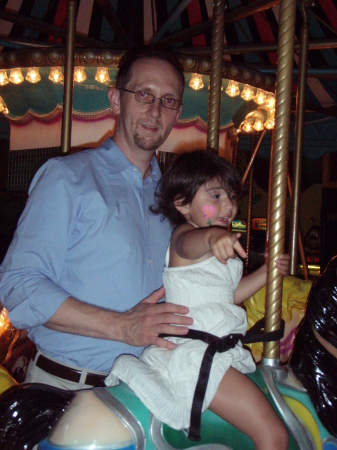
(144, 97)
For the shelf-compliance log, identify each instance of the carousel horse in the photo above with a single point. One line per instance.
(294, 297)
(314, 357)
(303, 393)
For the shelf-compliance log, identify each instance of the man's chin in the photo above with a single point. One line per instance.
(149, 145)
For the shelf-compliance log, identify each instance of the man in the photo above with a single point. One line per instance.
(84, 270)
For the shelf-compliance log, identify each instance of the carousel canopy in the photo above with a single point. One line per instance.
(32, 33)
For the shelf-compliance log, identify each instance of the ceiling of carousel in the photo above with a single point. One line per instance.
(250, 41)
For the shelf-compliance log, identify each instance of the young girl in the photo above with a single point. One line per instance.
(198, 194)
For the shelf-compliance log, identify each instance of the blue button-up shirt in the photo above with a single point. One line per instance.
(86, 232)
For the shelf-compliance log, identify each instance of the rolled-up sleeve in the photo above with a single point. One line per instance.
(30, 273)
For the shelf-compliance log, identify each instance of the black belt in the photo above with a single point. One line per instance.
(67, 373)
(219, 344)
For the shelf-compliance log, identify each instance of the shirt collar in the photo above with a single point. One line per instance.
(121, 162)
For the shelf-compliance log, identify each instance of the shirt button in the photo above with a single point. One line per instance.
(150, 261)
(147, 223)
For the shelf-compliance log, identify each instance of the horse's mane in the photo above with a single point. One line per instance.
(28, 412)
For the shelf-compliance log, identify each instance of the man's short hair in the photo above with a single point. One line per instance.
(147, 52)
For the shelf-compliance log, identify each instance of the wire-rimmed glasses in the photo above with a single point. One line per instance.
(145, 97)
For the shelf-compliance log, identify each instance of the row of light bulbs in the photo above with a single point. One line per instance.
(248, 93)
(55, 75)
(233, 90)
(257, 124)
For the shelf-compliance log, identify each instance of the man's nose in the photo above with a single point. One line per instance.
(155, 108)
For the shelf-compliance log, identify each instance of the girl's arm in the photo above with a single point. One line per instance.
(250, 284)
(190, 245)
(253, 282)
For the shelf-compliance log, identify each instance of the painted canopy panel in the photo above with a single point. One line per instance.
(42, 98)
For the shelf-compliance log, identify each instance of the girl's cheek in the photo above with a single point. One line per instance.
(208, 213)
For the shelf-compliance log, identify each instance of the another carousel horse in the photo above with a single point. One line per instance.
(314, 358)
(294, 298)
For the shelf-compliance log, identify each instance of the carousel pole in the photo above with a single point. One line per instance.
(300, 242)
(236, 141)
(278, 194)
(250, 202)
(68, 77)
(214, 111)
(253, 156)
(298, 150)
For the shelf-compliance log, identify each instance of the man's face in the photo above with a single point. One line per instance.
(146, 126)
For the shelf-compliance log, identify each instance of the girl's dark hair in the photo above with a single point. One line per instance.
(185, 174)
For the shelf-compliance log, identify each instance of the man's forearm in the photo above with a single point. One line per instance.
(76, 317)
(140, 326)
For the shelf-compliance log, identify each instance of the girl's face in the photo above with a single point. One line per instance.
(211, 206)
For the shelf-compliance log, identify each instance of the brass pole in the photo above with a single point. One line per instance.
(216, 75)
(250, 203)
(278, 193)
(253, 156)
(236, 140)
(269, 189)
(68, 77)
(298, 148)
(300, 241)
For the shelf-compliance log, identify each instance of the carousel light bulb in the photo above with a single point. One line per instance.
(56, 75)
(269, 123)
(102, 75)
(270, 101)
(247, 126)
(258, 125)
(79, 74)
(16, 76)
(196, 82)
(260, 97)
(247, 93)
(4, 321)
(3, 77)
(232, 89)
(33, 75)
(2, 104)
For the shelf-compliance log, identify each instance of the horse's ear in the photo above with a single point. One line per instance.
(28, 412)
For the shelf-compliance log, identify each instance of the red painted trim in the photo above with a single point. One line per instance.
(194, 17)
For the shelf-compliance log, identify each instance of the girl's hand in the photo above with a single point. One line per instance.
(282, 263)
(225, 244)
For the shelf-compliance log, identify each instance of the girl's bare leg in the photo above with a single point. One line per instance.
(241, 403)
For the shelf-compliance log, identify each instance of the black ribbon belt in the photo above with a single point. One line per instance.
(67, 373)
(220, 345)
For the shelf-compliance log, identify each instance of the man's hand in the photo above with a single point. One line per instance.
(225, 244)
(143, 324)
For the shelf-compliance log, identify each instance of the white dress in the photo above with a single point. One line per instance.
(165, 380)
